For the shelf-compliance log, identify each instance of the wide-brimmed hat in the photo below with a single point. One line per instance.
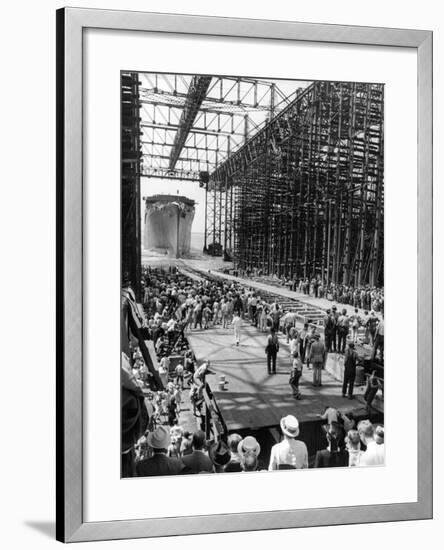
(160, 438)
(290, 426)
(219, 453)
(249, 445)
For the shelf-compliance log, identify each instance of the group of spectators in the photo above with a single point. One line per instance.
(175, 303)
(345, 444)
(363, 297)
(308, 349)
(339, 326)
(350, 443)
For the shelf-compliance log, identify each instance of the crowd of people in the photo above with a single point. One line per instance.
(346, 444)
(364, 297)
(175, 304)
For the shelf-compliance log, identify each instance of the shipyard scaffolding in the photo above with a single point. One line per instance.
(293, 171)
(304, 195)
(130, 174)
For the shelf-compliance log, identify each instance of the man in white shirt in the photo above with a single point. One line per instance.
(375, 454)
(236, 322)
(289, 453)
(294, 345)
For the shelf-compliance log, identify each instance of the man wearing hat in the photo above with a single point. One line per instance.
(317, 359)
(248, 445)
(350, 360)
(220, 455)
(198, 461)
(235, 458)
(249, 450)
(289, 453)
(329, 330)
(159, 464)
(334, 456)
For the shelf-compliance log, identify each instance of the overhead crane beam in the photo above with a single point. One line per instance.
(180, 159)
(196, 94)
(195, 130)
(231, 108)
(165, 174)
(190, 147)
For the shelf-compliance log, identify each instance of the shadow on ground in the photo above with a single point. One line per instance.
(45, 527)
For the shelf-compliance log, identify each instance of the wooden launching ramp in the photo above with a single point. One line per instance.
(253, 399)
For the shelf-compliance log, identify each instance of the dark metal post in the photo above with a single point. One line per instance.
(177, 235)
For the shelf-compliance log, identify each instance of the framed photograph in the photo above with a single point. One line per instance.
(243, 206)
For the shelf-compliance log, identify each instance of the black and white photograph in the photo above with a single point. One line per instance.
(252, 274)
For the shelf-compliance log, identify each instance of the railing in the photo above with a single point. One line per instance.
(215, 427)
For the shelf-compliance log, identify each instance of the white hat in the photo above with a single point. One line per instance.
(290, 426)
(160, 438)
(249, 445)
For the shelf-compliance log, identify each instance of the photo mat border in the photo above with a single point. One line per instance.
(70, 24)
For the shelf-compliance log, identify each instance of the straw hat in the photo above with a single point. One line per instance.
(290, 426)
(249, 445)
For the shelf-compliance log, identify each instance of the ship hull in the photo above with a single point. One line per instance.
(167, 227)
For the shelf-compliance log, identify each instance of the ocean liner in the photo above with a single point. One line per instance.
(167, 224)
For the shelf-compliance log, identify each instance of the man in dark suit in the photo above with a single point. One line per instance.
(350, 360)
(329, 330)
(334, 456)
(198, 461)
(271, 350)
(317, 359)
(159, 464)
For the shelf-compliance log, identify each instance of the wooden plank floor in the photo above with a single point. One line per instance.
(254, 399)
